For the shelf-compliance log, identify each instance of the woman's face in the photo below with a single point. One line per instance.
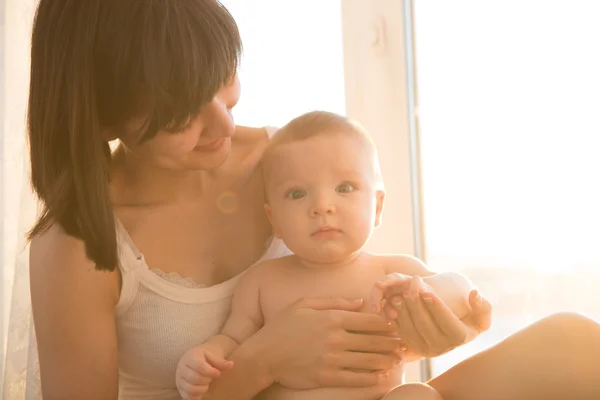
(204, 144)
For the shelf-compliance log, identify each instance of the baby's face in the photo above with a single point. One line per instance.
(322, 196)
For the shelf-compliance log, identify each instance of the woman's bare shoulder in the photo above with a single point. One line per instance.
(55, 255)
(250, 137)
(250, 134)
(249, 144)
(73, 310)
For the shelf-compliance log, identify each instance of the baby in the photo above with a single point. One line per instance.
(324, 198)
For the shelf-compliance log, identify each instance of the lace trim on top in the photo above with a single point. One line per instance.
(177, 279)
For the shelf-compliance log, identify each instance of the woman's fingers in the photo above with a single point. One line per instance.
(345, 378)
(330, 303)
(481, 314)
(448, 323)
(368, 361)
(407, 330)
(362, 322)
(372, 343)
(423, 322)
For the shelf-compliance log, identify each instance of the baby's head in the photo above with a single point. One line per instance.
(323, 186)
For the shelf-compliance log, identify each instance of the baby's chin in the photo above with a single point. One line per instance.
(327, 258)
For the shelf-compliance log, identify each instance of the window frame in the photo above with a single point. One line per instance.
(381, 93)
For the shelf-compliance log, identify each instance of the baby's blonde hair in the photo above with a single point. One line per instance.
(321, 123)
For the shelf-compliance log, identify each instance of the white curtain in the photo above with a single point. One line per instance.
(18, 360)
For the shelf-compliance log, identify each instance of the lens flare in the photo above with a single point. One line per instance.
(227, 202)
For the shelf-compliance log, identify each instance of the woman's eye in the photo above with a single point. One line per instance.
(171, 128)
(345, 188)
(295, 194)
(181, 130)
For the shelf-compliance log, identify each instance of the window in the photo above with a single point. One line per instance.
(292, 62)
(509, 94)
(342, 56)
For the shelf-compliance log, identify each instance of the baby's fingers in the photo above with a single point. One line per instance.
(389, 308)
(393, 280)
(188, 391)
(218, 362)
(202, 369)
(415, 287)
(376, 299)
(196, 377)
(388, 286)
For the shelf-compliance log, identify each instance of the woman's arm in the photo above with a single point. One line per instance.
(425, 322)
(311, 345)
(73, 311)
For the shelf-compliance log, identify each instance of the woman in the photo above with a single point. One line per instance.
(132, 261)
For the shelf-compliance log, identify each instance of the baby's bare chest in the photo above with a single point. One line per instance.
(284, 289)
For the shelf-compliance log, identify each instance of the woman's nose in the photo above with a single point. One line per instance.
(220, 116)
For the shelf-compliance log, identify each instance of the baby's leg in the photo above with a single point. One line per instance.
(413, 391)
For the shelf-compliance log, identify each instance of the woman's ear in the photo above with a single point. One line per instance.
(379, 199)
(269, 216)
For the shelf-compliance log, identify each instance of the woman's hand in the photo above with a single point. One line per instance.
(326, 342)
(424, 322)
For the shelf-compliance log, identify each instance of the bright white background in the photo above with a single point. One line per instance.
(509, 97)
(293, 59)
(509, 94)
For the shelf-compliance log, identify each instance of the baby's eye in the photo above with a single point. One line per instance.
(295, 194)
(345, 188)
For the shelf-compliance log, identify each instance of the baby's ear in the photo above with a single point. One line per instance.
(268, 212)
(380, 200)
(269, 216)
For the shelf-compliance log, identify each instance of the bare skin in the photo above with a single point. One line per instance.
(324, 201)
(73, 304)
(192, 228)
(554, 359)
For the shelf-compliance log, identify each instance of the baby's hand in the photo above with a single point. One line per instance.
(196, 369)
(393, 289)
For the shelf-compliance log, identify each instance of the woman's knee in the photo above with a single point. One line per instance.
(569, 326)
(413, 391)
(571, 319)
(566, 334)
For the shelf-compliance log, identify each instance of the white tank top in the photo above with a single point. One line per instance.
(160, 316)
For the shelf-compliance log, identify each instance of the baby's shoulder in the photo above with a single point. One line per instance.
(400, 263)
(273, 265)
(268, 269)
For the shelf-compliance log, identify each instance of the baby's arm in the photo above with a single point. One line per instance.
(246, 316)
(406, 275)
(203, 363)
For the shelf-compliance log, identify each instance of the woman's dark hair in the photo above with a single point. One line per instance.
(95, 64)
